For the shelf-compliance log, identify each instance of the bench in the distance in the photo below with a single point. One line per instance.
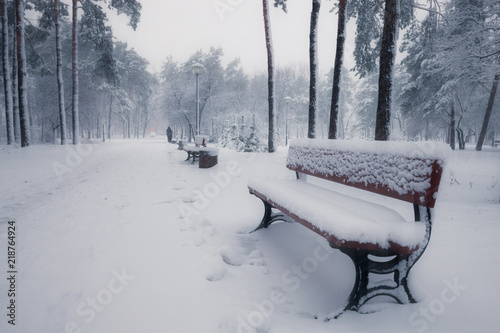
(376, 238)
(207, 156)
(193, 152)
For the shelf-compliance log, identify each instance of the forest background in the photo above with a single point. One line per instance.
(444, 80)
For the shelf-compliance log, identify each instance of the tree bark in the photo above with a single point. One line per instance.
(387, 57)
(270, 75)
(110, 114)
(489, 108)
(21, 75)
(7, 81)
(337, 69)
(461, 139)
(60, 81)
(452, 126)
(313, 68)
(15, 90)
(74, 71)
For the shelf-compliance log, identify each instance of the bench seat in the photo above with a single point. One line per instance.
(192, 149)
(343, 220)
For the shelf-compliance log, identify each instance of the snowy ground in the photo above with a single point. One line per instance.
(127, 237)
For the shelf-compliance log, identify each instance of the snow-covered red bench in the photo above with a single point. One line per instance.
(377, 238)
(208, 156)
(200, 141)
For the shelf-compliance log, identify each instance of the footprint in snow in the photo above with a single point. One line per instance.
(198, 241)
(256, 258)
(189, 198)
(178, 187)
(230, 256)
(256, 254)
(182, 224)
(209, 231)
(245, 320)
(168, 201)
(215, 269)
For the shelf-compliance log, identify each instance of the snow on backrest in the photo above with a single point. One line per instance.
(407, 171)
(201, 140)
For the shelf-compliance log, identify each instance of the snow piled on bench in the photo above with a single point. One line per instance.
(344, 217)
(403, 167)
(421, 149)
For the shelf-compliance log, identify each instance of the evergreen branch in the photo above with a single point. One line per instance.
(486, 55)
(430, 10)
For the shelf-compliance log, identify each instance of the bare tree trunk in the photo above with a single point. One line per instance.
(460, 135)
(74, 71)
(313, 68)
(15, 90)
(191, 132)
(7, 81)
(487, 115)
(387, 57)
(270, 75)
(21, 75)
(461, 139)
(339, 57)
(110, 115)
(452, 126)
(60, 81)
(128, 126)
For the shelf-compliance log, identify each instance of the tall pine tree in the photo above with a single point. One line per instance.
(7, 80)
(24, 117)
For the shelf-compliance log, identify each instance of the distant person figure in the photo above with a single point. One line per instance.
(169, 134)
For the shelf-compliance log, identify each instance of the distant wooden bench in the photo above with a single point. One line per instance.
(496, 143)
(207, 156)
(193, 152)
(376, 238)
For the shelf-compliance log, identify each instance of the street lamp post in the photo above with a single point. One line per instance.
(197, 69)
(288, 99)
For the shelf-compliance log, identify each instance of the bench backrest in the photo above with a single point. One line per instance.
(407, 171)
(201, 140)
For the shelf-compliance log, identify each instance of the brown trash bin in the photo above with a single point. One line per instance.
(208, 157)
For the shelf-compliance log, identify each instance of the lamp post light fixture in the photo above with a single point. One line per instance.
(288, 99)
(197, 69)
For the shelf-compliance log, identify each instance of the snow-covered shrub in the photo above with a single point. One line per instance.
(241, 138)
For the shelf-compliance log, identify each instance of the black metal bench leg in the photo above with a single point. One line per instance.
(189, 156)
(361, 294)
(359, 290)
(270, 217)
(399, 266)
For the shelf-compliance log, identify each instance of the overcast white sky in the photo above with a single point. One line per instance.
(181, 27)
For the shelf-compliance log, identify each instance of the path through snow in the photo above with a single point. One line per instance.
(127, 237)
